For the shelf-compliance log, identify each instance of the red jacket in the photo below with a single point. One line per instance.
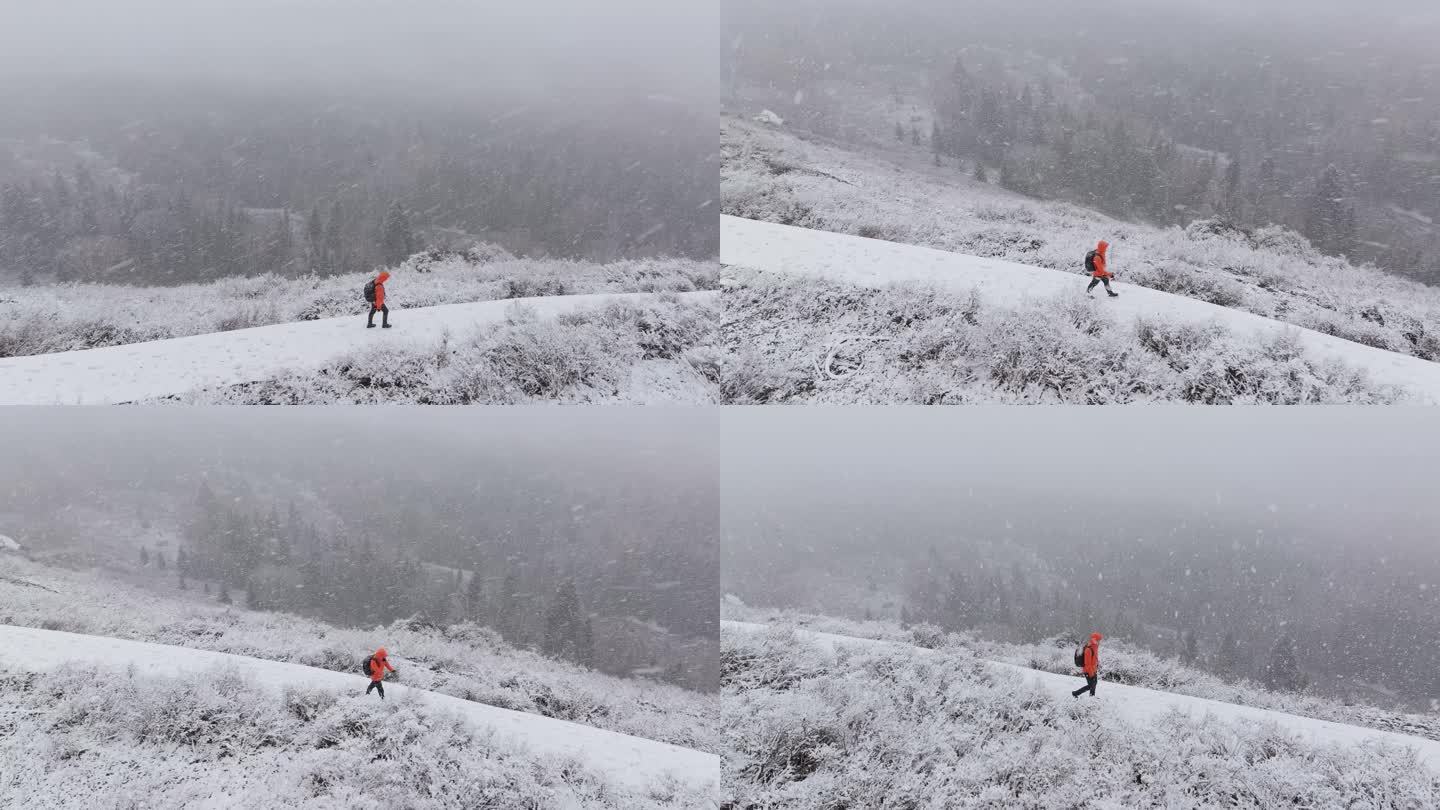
(1092, 656)
(380, 288)
(379, 664)
(1100, 271)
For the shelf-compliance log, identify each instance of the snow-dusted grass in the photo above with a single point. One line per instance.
(771, 175)
(813, 340)
(1123, 663)
(658, 350)
(464, 661)
(807, 727)
(216, 739)
(56, 318)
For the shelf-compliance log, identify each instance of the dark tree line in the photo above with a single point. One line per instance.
(1273, 616)
(1185, 121)
(375, 576)
(163, 190)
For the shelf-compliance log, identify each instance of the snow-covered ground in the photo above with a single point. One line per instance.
(1137, 704)
(174, 367)
(465, 661)
(636, 762)
(874, 263)
(789, 335)
(822, 721)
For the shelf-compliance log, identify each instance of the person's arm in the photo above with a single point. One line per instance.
(379, 295)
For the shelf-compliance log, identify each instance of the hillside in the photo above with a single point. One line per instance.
(816, 718)
(463, 661)
(628, 769)
(338, 360)
(923, 340)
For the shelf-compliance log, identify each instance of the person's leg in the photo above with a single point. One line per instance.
(385, 316)
(1090, 682)
(370, 321)
(381, 688)
(1093, 282)
(1107, 286)
(371, 687)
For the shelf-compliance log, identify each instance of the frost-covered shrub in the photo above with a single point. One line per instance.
(891, 727)
(588, 355)
(1123, 662)
(813, 340)
(1272, 272)
(78, 733)
(65, 317)
(462, 660)
(1172, 278)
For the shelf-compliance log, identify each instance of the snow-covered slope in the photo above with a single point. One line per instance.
(1138, 704)
(634, 761)
(162, 368)
(875, 263)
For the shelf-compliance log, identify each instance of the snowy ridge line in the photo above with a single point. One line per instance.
(876, 263)
(1137, 704)
(163, 368)
(634, 762)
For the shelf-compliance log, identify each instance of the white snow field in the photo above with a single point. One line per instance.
(1137, 704)
(874, 263)
(633, 761)
(163, 368)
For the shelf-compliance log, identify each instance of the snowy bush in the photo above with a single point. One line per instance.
(599, 354)
(1271, 272)
(887, 727)
(462, 660)
(790, 340)
(65, 317)
(1122, 662)
(78, 733)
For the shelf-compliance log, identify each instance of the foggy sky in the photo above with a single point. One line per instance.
(1338, 475)
(487, 49)
(659, 453)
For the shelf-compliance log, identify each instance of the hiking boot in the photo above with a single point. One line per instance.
(387, 326)
(369, 326)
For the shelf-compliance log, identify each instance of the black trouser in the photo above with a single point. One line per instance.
(376, 685)
(1100, 280)
(1090, 681)
(385, 313)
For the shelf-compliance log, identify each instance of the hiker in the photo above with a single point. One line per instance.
(375, 294)
(375, 666)
(1090, 662)
(1095, 266)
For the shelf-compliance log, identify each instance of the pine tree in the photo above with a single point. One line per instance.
(1329, 222)
(1229, 656)
(396, 240)
(899, 132)
(980, 175)
(566, 628)
(472, 596)
(144, 556)
(1282, 672)
(224, 594)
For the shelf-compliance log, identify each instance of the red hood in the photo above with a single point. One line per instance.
(1102, 247)
(382, 278)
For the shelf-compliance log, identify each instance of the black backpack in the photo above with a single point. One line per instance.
(370, 292)
(1090, 263)
(365, 666)
(1080, 656)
